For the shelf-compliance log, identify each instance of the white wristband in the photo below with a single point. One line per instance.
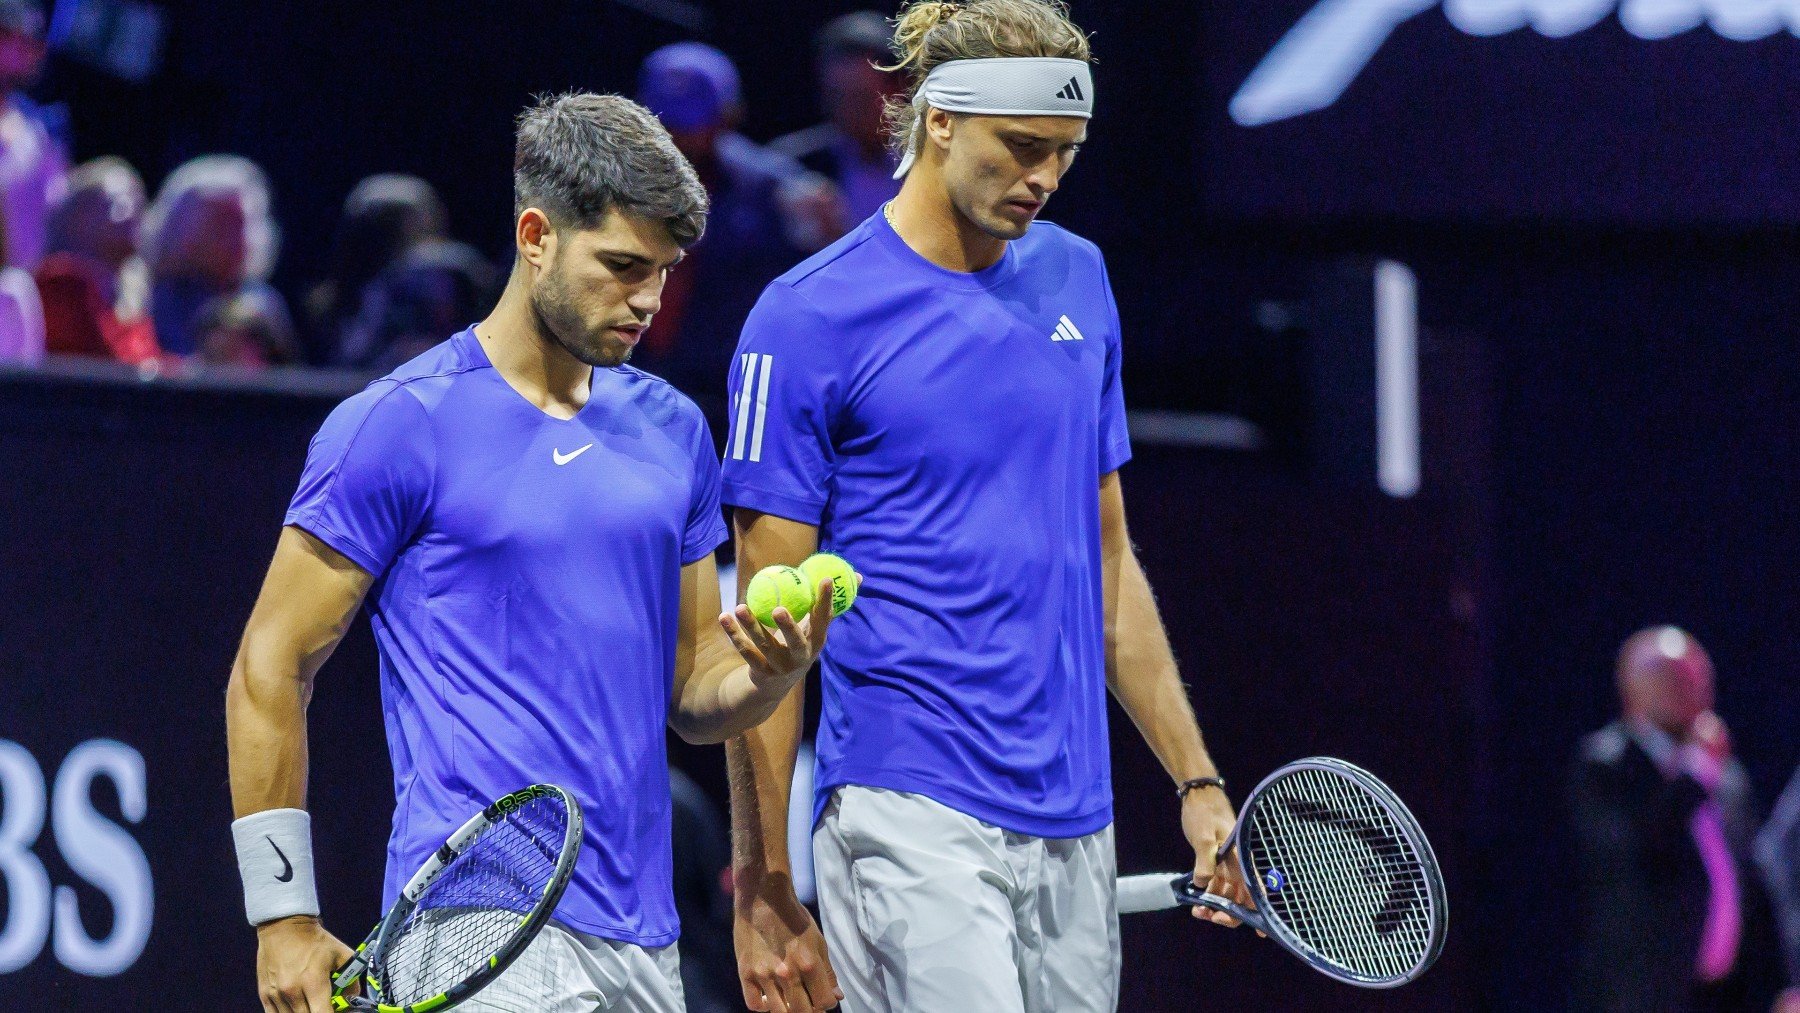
(274, 852)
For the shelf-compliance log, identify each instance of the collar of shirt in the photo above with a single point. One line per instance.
(1659, 745)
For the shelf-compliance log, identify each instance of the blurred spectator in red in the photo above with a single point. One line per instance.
(95, 287)
(436, 288)
(208, 233)
(32, 163)
(248, 328)
(851, 147)
(383, 218)
(767, 213)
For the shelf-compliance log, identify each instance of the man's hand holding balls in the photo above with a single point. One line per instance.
(780, 627)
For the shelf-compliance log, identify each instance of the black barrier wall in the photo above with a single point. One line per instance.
(139, 518)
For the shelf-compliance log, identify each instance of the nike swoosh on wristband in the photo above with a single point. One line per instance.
(287, 867)
(560, 458)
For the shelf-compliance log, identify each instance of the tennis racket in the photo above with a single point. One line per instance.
(1340, 873)
(473, 907)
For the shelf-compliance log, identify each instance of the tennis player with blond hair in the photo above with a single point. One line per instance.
(936, 398)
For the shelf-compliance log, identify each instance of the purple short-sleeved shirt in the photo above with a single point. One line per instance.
(947, 433)
(528, 573)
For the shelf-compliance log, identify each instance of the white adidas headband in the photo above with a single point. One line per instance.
(1005, 86)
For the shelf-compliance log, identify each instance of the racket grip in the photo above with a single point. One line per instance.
(1153, 892)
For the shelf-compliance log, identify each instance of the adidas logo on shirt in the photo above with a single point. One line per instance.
(1071, 91)
(1066, 331)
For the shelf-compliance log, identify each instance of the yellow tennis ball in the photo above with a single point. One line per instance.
(844, 579)
(778, 587)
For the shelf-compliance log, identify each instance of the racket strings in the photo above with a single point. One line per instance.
(470, 912)
(1368, 863)
(1342, 874)
(1344, 845)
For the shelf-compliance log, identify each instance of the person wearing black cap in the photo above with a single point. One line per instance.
(33, 164)
(850, 148)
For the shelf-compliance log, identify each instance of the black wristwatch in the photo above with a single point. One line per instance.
(1182, 790)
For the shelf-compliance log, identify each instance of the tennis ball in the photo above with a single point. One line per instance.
(778, 587)
(844, 579)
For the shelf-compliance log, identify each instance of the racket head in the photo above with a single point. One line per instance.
(1342, 874)
(476, 904)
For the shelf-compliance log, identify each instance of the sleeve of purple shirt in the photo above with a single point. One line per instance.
(783, 398)
(1115, 434)
(368, 477)
(706, 519)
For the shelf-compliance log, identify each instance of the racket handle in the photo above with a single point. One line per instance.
(1161, 891)
(1193, 896)
(1153, 892)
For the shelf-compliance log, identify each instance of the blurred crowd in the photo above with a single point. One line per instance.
(98, 267)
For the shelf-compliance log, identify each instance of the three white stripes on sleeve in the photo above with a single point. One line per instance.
(754, 394)
(755, 389)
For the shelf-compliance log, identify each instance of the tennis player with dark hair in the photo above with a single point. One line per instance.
(532, 523)
(936, 398)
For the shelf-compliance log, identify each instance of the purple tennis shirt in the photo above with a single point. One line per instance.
(947, 433)
(528, 572)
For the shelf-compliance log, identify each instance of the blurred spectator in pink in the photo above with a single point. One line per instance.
(851, 147)
(436, 288)
(95, 287)
(208, 233)
(249, 328)
(384, 217)
(767, 213)
(32, 162)
(1672, 917)
(21, 317)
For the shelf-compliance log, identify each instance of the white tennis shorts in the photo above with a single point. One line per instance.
(564, 971)
(928, 910)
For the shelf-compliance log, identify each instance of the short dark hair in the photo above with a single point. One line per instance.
(580, 155)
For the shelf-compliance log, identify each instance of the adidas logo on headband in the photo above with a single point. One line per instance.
(1003, 86)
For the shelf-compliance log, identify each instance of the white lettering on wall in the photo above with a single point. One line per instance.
(1313, 64)
(104, 854)
(95, 848)
(27, 884)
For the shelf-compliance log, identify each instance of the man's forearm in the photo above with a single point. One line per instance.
(760, 767)
(1141, 671)
(760, 763)
(725, 701)
(265, 731)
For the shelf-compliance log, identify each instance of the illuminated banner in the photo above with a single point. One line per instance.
(1312, 64)
(98, 850)
(1639, 112)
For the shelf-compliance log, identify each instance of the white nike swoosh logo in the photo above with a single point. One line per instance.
(562, 458)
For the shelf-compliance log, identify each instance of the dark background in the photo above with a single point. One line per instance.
(1611, 220)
